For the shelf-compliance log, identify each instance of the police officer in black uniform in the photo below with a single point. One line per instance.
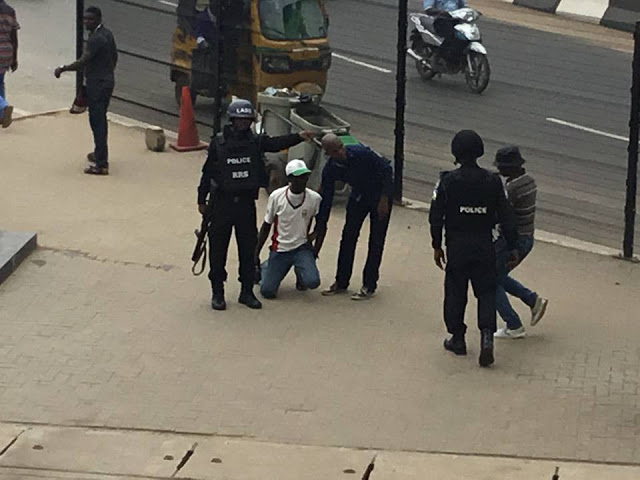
(231, 177)
(468, 202)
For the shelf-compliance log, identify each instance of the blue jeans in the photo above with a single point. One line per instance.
(3, 101)
(276, 268)
(507, 284)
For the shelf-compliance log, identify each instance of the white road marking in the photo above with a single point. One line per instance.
(362, 64)
(171, 4)
(587, 129)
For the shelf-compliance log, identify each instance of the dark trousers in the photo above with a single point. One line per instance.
(470, 258)
(357, 212)
(98, 98)
(229, 213)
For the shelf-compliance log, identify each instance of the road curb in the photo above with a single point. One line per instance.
(24, 115)
(616, 14)
(112, 117)
(129, 122)
(543, 236)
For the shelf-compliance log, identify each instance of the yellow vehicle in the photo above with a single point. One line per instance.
(266, 43)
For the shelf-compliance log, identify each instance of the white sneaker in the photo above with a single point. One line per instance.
(363, 294)
(538, 310)
(505, 332)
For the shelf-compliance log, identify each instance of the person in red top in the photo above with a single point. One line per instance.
(8, 56)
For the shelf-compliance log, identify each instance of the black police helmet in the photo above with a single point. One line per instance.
(509, 157)
(241, 109)
(467, 145)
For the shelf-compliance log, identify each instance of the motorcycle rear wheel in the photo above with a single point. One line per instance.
(478, 79)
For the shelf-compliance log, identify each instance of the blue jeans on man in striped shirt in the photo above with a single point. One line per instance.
(3, 101)
(508, 285)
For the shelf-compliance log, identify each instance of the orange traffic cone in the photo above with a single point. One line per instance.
(188, 139)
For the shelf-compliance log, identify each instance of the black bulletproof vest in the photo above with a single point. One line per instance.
(472, 200)
(241, 164)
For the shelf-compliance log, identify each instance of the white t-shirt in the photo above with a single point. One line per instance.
(291, 215)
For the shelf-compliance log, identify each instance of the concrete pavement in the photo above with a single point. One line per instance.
(101, 454)
(104, 326)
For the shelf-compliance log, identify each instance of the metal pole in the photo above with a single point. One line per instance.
(401, 95)
(79, 41)
(634, 134)
(218, 74)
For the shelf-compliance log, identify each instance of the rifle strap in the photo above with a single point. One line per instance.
(201, 258)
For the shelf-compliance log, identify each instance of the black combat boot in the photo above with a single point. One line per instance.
(486, 348)
(456, 344)
(217, 299)
(248, 298)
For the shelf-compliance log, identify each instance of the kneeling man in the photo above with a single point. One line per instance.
(290, 211)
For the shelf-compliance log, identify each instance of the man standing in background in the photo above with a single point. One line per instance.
(98, 62)
(8, 56)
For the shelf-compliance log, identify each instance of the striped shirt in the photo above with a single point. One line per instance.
(522, 192)
(8, 23)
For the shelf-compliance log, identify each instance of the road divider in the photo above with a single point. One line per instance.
(544, 5)
(618, 14)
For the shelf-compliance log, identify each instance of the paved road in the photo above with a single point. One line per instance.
(536, 75)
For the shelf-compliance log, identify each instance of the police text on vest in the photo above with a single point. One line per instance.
(474, 210)
(238, 161)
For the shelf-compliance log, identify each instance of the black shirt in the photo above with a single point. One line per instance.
(470, 200)
(369, 175)
(103, 56)
(211, 169)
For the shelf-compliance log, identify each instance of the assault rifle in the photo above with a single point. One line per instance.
(200, 250)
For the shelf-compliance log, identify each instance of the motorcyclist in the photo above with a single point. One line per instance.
(444, 24)
(444, 5)
(205, 27)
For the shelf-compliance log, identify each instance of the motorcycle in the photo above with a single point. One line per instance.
(469, 54)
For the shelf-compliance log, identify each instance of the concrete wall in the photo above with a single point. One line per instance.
(619, 14)
(622, 14)
(545, 5)
(590, 10)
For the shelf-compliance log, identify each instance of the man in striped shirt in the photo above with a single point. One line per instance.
(521, 191)
(8, 56)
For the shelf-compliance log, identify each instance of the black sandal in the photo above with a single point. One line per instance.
(95, 170)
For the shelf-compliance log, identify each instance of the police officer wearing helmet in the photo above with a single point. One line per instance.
(468, 202)
(231, 177)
